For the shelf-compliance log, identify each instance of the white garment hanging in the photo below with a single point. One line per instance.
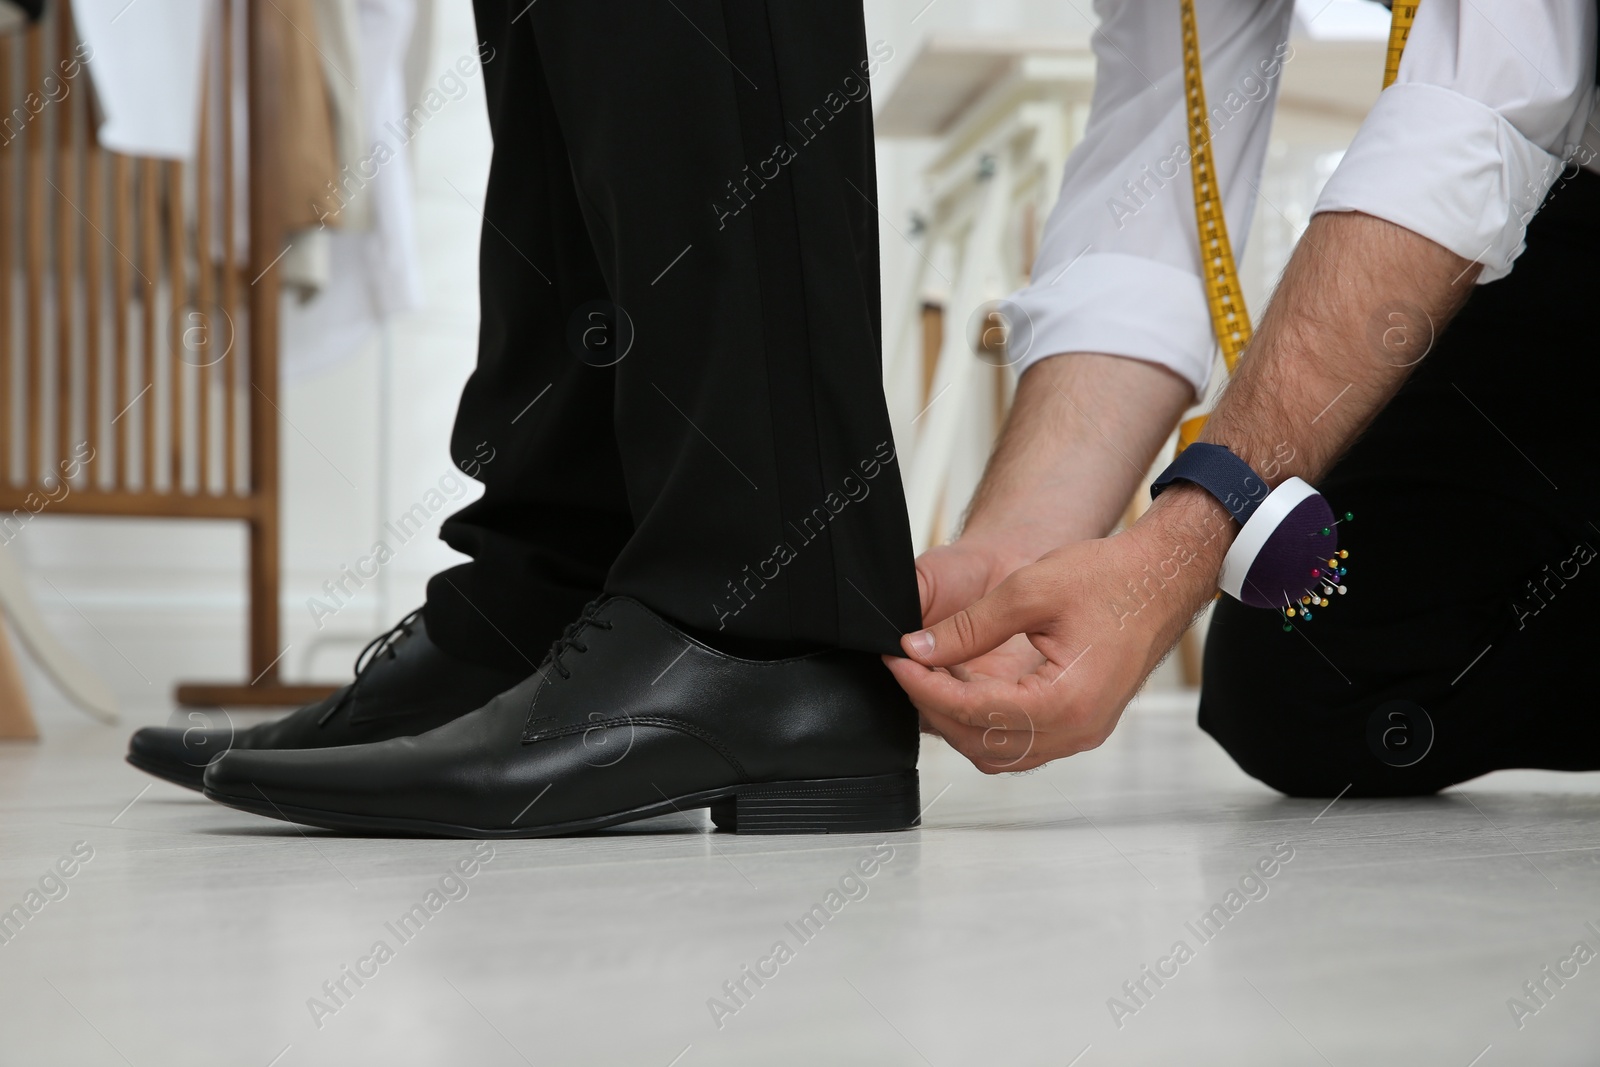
(374, 275)
(146, 60)
(339, 42)
(307, 265)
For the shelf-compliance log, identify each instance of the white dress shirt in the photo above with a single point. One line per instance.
(1491, 101)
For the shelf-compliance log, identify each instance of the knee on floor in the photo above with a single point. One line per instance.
(1371, 746)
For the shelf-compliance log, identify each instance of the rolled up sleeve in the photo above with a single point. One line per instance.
(1118, 270)
(1490, 103)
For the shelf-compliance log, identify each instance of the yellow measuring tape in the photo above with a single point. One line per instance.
(1230, 321)
(1401, 16)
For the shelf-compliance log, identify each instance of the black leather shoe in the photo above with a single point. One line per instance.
(404, 684)
(627, 718)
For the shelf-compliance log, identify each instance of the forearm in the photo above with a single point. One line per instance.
(1357, 309)
(1082, 432)
(1116, 273)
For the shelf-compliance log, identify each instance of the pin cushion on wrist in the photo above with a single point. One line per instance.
(1286, 556)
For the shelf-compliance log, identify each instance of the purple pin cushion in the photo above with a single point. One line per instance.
(1294, 558)
(1287, 555)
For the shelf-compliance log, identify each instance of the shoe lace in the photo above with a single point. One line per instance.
(376, 649)
(569, 638)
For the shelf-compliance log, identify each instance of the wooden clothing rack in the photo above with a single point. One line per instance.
(138, 353)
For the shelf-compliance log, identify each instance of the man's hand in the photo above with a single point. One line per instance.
(954, 576)
(1082, 431)
(1102, 614)
(1096, 618)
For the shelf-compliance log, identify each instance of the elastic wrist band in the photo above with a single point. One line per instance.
(1287, 555)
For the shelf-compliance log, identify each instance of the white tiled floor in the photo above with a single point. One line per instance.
(995, 934)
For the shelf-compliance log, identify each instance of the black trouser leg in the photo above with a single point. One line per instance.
(1467, 637)
(534, 423)
(721, 159)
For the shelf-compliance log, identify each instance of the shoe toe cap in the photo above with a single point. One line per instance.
(242, 773)
(178, 755)
(268, 781)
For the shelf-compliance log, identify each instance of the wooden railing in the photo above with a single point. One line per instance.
(139, 309)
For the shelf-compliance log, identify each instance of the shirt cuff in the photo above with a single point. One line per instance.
(1447, 167)
(1121, 305)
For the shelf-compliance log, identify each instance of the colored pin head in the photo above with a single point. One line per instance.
(1328, 575)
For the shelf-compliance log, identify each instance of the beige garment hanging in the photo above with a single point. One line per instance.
(310, 167)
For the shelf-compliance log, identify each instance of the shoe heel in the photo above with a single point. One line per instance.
(822, 806)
